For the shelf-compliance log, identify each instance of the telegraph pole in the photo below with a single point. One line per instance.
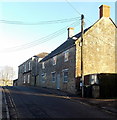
(82, 68)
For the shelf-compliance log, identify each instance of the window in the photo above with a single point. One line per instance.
(54, 60)
(93, 79)
(53, 76)
(43, 77)
(24, 79)
(29, 65)
(66, 55)
(25, 67)
(43, 65)
(65, 75)
(28, 79)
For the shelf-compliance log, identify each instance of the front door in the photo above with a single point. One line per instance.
(58, 81)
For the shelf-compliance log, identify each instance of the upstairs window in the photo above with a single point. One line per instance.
(43, 65)
(65, 75)
(66, 56)
(29, 65)
(53, 76)
(25, 67)
(54, 60)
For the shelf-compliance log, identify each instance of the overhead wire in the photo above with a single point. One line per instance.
(76, 10)
(40, 40)
(87, 20)
(39, 23)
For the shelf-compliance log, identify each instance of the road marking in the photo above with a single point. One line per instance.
(6, 105)
(0, 102)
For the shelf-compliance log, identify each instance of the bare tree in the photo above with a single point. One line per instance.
(6, 74)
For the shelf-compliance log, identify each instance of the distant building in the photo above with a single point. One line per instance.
(27, 71)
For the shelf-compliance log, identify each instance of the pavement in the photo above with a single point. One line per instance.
(109, 105)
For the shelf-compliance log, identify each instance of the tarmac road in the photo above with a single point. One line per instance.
(33, 102)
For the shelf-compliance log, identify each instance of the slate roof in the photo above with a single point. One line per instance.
(66, 45)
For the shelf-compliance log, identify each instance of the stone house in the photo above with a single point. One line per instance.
(61, 69)
(27, 71)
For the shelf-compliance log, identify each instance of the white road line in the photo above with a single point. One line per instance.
(0, 102)
(6, 105)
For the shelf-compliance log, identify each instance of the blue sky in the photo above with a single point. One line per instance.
(13, 35)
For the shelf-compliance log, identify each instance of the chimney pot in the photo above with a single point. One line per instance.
(104, 11)
(70, 32)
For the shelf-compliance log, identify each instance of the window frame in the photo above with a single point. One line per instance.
(66, 56)
(29, 65)
(64, 77)
(53, 77)
(24, 79)
(54, 60)
(43, 65)
(28, 78)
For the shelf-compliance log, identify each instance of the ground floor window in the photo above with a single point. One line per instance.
(65, 75)
(24, 80)
(28, 78)
(53, 76)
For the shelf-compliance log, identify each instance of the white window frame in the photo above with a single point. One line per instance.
(53, 77)
(43, 65)
(28, 78)
(29, 65)
(66, 55)
(54, 59)
(25, 67)
(93, 79)
(24, 80)
(64, 77)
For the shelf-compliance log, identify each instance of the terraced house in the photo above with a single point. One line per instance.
(28, 71)
(61, 69)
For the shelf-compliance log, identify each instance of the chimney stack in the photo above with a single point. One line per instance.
(70, 32)
(104, 11)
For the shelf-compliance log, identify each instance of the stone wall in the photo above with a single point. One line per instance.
(99, 49)
(58, 69)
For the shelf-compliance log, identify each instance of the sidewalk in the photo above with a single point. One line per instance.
(109, 105)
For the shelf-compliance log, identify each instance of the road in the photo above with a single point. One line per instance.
(33, 102)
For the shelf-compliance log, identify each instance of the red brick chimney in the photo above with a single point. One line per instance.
(104, 11)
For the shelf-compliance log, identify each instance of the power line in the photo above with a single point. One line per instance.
(73, 7)
(76, 10)
(39, 41)
(39, 23)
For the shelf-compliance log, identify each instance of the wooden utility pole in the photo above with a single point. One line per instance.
(82, 68)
